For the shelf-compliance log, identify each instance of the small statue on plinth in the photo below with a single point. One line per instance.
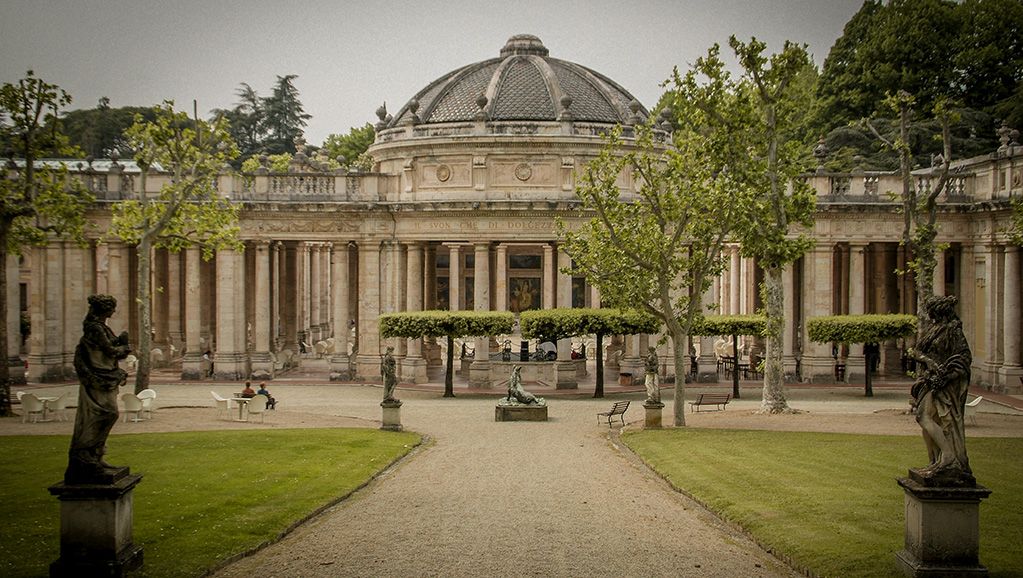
(96, 359)
(388, 369)
(516, 394)
(939, 395)
(653, 389)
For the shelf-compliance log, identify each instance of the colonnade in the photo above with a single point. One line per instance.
(247, 307)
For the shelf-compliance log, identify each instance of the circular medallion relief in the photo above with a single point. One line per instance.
(523, 172)
(443, 173)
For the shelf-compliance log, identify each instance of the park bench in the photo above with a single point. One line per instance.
(718, 399)
(618, 408)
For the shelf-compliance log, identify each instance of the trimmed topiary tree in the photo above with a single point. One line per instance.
(449, 324)
(560, 323)
(734, 325)
(866, 329)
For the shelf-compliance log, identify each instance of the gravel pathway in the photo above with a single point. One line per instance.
(510, 499)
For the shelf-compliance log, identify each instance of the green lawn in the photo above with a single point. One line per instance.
(204, 496)
(830, 501)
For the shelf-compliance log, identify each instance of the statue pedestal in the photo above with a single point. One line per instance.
(653, 415)
(96, 529)
(520, 413)
(391, 420)
(942, 530)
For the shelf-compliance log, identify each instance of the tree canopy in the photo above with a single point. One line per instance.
(98, 132)
(187, 211)
(36, 200)
(351, 147)
(267, 124)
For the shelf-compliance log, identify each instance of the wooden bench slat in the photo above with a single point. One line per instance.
(618, 408)
(718, 399)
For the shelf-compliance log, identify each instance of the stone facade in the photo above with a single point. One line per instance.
(459, 212)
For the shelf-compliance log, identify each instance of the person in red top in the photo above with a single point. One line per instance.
(248, 391)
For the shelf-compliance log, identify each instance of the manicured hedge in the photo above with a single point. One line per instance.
(560, 323)
(860, 328)
(730, 325)
(446, 323)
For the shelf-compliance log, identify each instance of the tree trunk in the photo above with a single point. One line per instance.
(598, 389)
(5, 369)
(449, 386)
(774, 369)
(735, 366)
(678, 345)
(145, 327)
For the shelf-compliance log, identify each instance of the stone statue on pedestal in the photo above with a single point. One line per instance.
(96, 359)
(517, 394)
(939, 395)
(653, 389)
(388, 372)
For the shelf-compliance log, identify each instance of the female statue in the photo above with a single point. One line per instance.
(939, 393)
(96, 359)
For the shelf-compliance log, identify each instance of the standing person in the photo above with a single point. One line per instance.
(387, 370)
(96, 359)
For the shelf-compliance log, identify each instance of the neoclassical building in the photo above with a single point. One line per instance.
(459, 213)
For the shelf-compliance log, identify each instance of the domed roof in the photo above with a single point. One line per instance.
(522, 84)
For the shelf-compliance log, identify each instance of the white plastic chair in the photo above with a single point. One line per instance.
(147, 396)
(19, 394)
(223, 404)
(257, 405)
(971, 410)
(59, 406)
(31, 406)
(132, 405)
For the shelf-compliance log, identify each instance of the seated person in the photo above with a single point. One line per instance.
(248, 391)
(271, 403)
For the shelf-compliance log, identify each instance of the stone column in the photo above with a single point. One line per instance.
(46, 354)
(276, 330)
(78, 275)
(229, 359)
(118, 273)
(325, 291)
(992, 359)
(192, 363)
(501, 279)
(455, 278)
(734, 281)
(368, 359)
(564, 367)
(706, 362)
(339, 369)
(1010, 370)
(291, 295)
(302, 293)
(15, 364)
(817, 362)
(549, 277)
(262, 363)
(938, 279)
(174, 312)
(789, 331)
(413, 367)
(314, 294)
(158, 299)
(479, 370)
(855, 365)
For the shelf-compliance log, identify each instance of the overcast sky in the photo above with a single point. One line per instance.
(350, 56)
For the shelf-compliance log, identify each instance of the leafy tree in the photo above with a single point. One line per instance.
(351, 146)
(658, 250)
(187, 211)
(449, 324)
(246, 121)
(989, 58)
(100, 131)
(283, 116)
(734, 325)
(35, 200)
(869, 329)
(560, 323)
(776, 91)
(278, 163)
(919, 207)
